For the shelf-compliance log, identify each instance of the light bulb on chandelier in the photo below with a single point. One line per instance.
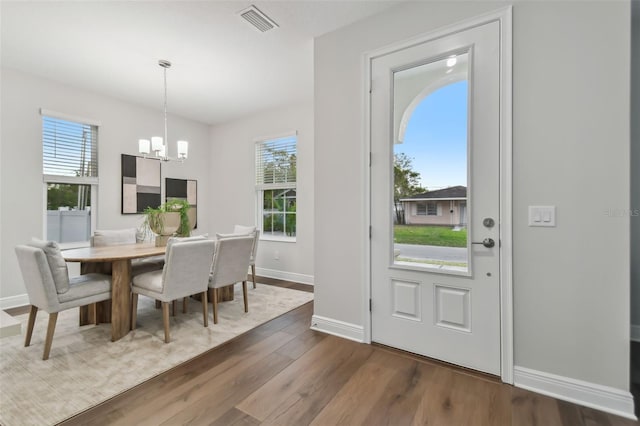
(158, 144)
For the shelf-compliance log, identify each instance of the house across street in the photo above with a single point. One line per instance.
(446, 206)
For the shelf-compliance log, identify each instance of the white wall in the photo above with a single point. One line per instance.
(635, 169)
(122, 125)
(571, 149)
(232, 163)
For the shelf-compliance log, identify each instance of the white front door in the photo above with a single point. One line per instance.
(441, 302)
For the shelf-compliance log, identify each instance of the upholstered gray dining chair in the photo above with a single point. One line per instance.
(185, 273)
(230, 265)
(49, 287)
(113, 237)
(185, 299)
(250, 230)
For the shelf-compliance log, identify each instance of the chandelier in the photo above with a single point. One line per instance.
(158, 144)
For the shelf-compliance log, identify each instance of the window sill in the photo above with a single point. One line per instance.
(277, 239)
(75, 245)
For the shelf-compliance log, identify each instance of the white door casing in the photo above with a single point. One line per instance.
(459, 318)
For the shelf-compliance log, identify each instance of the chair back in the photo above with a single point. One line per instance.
(231, 261)
(249, 230)
(254, 248)
(112, 237)
(38, 278)
(187, 266)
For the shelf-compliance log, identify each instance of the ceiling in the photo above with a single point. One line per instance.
(223, 68)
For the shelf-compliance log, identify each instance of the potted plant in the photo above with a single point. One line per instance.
(182, 207)
(170, 218)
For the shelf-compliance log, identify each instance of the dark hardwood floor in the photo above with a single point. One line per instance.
(283, 373)
(635, 375)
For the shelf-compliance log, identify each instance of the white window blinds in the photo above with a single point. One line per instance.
(69, 149)
(276, 163)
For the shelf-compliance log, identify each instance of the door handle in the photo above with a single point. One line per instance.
(487, 242)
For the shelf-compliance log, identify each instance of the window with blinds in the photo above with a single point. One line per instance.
(276, 174)
(276, 164)
(70, 176)
(69, 148)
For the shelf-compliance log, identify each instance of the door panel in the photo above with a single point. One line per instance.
(447, 310)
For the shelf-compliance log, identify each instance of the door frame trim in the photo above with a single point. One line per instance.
(504, 17)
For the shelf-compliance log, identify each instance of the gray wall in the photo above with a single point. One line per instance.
(635, 168)
(233, 166)
(21, 155)
(571, 149)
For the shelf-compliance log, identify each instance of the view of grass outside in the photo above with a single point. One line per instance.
(430, 235)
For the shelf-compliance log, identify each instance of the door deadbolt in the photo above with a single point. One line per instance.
(487, 242)
(488, 222)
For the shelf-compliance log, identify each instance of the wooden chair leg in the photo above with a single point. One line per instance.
(253, 275)
(134, 310)
(184, 305)
(244, 293)
(30, 324)
(173, 308)
(205, 308)
(165, 320)
(53, 318)
(215, 305)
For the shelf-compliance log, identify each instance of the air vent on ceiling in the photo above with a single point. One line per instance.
(259, 20)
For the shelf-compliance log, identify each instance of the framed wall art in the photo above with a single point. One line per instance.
(184, 189)
(140, 184)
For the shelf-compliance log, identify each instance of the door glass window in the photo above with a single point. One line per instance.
(430, 160)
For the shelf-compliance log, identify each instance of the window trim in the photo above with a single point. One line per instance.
(69, 117)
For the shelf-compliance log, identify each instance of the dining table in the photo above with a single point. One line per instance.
(114, 260)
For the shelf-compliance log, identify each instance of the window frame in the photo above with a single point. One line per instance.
(91, 181)
(284, 186)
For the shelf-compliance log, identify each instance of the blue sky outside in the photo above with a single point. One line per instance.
(436, 137)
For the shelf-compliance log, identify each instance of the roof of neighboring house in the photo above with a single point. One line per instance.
(452, 193)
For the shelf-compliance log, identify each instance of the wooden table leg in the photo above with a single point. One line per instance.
(120, 299)
(225, 294)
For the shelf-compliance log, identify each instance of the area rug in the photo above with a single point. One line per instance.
(86, 368)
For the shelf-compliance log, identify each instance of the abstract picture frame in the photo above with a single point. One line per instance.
(184, 189)
(141, 181)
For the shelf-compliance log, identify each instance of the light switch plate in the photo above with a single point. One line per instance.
(542, 216)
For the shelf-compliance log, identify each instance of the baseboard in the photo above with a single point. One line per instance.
(14, 301)
(338, 328)
(604, 398)
(635, 333)
(284, 275)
